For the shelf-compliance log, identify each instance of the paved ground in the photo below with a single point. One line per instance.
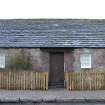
(58, 95)
(52, 104)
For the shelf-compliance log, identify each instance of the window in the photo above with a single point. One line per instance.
(85, 60)
(2, 61)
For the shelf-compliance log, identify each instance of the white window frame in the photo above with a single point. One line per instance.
(85, 60)
(2, 61)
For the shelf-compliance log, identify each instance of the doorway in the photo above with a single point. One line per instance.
(56, 74)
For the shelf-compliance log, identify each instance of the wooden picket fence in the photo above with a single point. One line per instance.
(23, 80)
(85, 80)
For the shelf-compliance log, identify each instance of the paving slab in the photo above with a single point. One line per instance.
(52, 95)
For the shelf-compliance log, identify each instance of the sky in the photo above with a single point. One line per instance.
(21, 9)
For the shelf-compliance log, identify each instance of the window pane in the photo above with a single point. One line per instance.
(2, 61)
(85, 61)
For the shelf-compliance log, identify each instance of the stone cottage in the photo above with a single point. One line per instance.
(54, 45)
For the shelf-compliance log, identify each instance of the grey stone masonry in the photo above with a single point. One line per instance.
(39, 58)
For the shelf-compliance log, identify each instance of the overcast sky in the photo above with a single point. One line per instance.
(10, 9)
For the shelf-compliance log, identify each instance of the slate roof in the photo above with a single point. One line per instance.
(52, 33)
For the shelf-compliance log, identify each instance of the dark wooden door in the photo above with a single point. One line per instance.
(56, 77)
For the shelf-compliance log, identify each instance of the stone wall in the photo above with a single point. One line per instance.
(72, 59)
(39, 58)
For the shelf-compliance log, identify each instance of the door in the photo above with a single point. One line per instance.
(56, 76)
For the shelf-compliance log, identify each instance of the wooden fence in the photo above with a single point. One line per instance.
(85, 80)
(23, 80)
